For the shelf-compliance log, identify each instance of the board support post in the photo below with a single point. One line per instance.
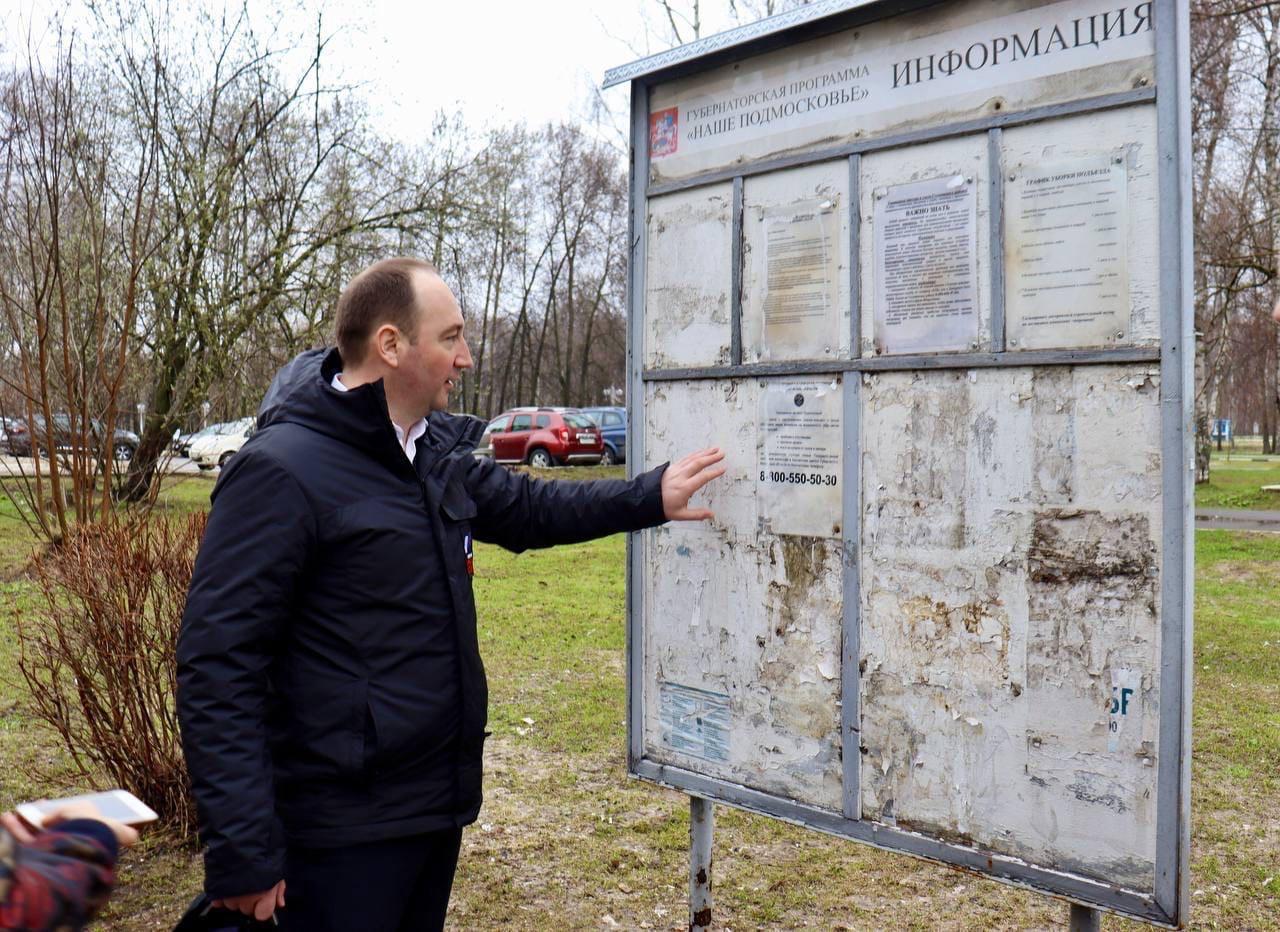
(701, 829)
(1085, 919)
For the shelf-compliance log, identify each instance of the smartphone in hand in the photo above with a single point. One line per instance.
(120, 805)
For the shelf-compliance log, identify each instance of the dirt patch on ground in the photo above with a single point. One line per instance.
(568, 841)
(1248, 572)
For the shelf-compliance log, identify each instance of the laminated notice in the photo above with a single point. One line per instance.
(926, 266)
(801, 309)
(1066, 261)
(801, 458)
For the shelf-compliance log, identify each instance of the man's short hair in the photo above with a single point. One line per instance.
(383, 293)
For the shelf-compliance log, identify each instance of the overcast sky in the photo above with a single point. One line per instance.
(497, 62)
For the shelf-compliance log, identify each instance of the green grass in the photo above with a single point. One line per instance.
(566, 839)
(178, 495)
(1238, 659)
(1236, 729)
(1236, 481)
(182, 494)
(16, 543)
(550, 626)
(19, 753)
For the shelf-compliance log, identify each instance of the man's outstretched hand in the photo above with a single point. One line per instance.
(686, 476)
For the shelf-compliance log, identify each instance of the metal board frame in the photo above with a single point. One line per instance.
(1169, 903)
(1177, 392)
(635, 400)
(817, 18)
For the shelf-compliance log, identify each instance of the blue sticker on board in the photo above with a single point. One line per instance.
(695, 721)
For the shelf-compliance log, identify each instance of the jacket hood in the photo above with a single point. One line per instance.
(302, 393)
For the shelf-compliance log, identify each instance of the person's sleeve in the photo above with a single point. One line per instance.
(255, 548)
(519, 512)
(58, 881)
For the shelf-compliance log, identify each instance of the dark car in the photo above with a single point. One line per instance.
(545, 437)
(17, 437)
(125, 443)
(65, 438)
(612, 422)
(10, 427)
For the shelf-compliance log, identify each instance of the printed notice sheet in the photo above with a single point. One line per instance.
(800, 458)
(926, 266)
(1066, 274)
(801, 269)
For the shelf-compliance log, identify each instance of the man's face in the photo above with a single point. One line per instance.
(431, 364)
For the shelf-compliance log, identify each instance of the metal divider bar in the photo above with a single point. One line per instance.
(1148, 354)
(995, 214)
(855, 255)
(851, 531)
(735, 277)
(851, 521)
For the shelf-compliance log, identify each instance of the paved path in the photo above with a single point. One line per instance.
(1237, 520)
(22, 465)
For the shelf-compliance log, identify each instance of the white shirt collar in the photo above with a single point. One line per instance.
(408, 443)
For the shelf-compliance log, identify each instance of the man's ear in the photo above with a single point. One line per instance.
(385, 342)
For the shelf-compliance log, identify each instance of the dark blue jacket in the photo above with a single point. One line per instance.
(330, 687)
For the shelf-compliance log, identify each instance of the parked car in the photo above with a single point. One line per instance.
(545, 437)
(67, 437)
(217, 443)
(484, 446)
(182, 445)
(10, 426)
(17, 437)
(612, 422)
(126, 442)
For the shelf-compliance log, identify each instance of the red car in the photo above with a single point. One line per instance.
(545, 437)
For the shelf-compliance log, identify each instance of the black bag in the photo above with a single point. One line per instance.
(203, 916)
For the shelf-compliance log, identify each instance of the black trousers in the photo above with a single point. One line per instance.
(399, 885)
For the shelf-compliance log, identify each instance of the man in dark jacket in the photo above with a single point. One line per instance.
(330, 689)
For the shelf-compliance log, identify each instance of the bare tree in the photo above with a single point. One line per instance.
(685, 19)
(76, 227)
(1235, 83)
(250, 158)
(588, 191)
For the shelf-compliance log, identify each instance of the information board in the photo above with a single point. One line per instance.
(921, 270)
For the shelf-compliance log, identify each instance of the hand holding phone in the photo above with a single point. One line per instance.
(126, 835)
(119, 809)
